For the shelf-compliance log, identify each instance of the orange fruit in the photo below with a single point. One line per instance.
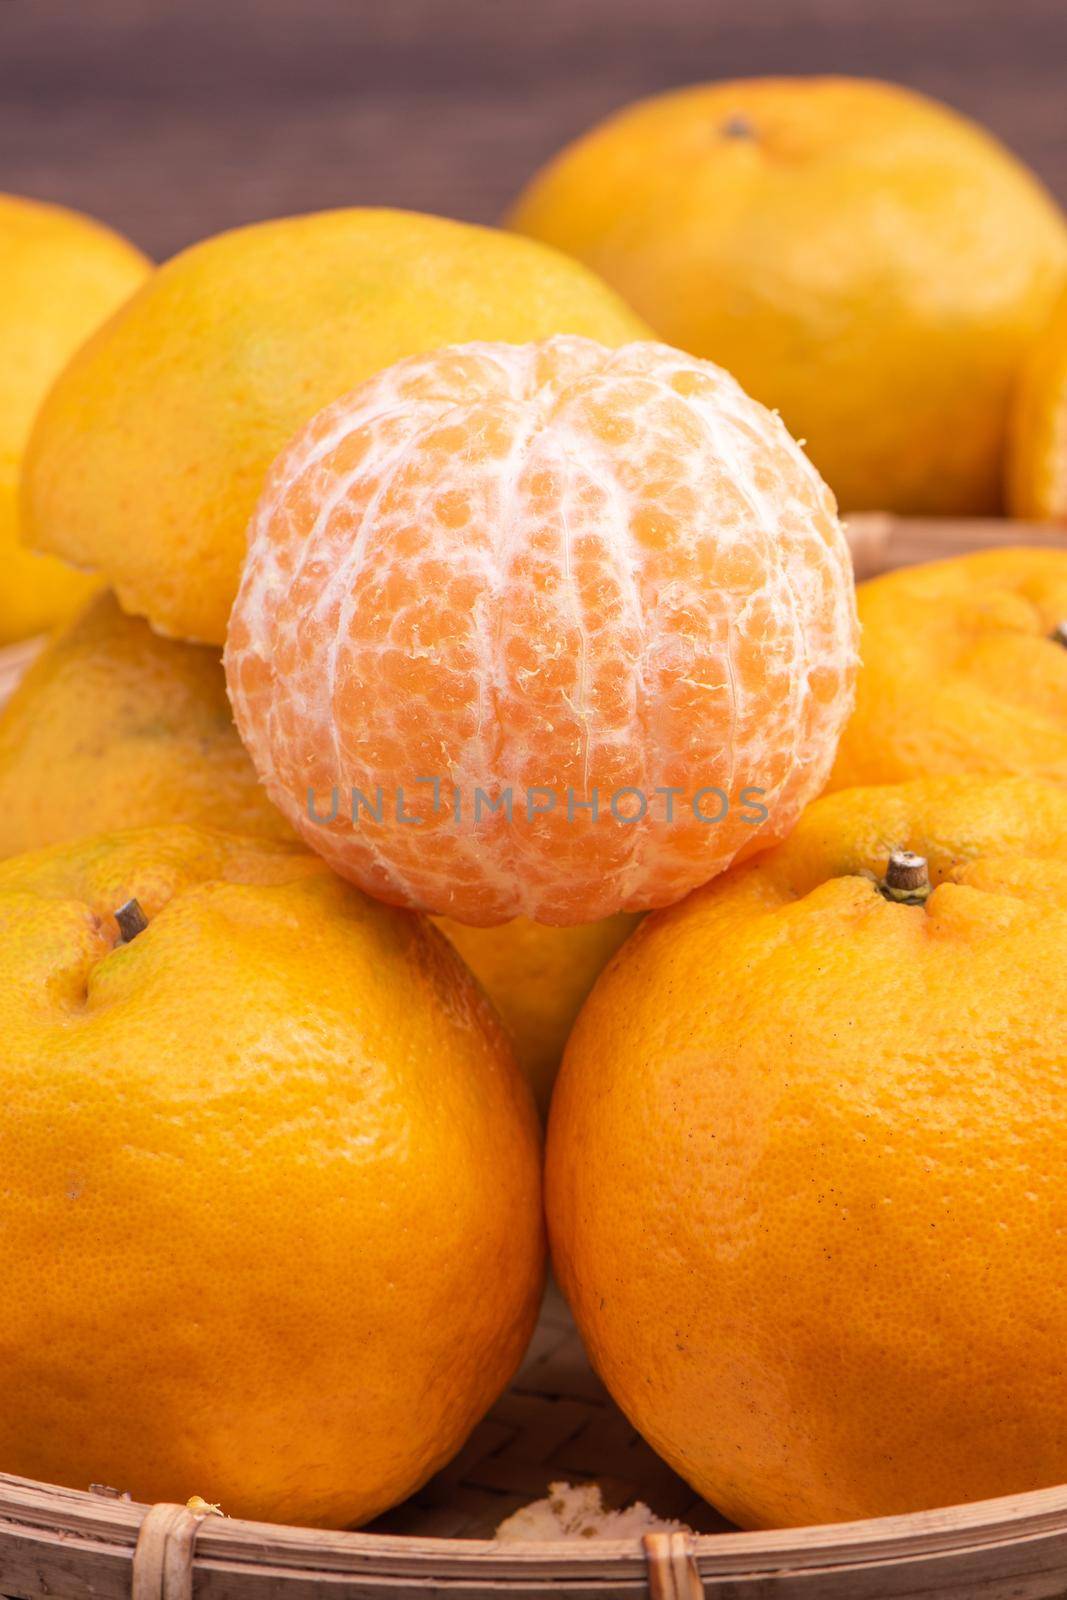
(61, 274)
(859, 256)
(962, 671)
(113, 727)
(261, 1166)
(537, 978)
(150, 451)
(604, 591)
(1037, 463)
(805, 1157)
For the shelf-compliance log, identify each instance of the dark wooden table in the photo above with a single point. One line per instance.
(174, 118)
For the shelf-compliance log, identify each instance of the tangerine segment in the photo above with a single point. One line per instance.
(603, 589)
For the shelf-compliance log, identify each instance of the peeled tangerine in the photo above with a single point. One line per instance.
(546, 630)
(805, 1161)
(272, 1208)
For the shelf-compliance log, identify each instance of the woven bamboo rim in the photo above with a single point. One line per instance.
(66, 1543)
(61, 1542)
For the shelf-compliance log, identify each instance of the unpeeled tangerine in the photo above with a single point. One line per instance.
(545, 567)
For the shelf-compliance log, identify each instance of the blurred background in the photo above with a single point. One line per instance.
(171, 119)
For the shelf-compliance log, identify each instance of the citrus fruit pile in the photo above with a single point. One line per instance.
(476, 682)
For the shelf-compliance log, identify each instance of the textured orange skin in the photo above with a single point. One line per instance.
(805, 1164)
(537, 977)
(149, 453)
(1037, 458)
(61, 275)
(857, 255)
(261, 1167)
(113, 727)
(959, 672)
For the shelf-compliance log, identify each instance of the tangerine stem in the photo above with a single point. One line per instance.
(907, 878)
(1059, 633)
(131, 920)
